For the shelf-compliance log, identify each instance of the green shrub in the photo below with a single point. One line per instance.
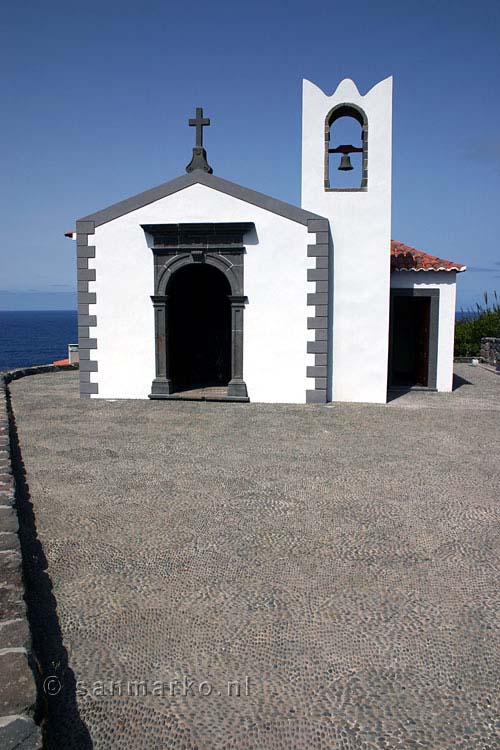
(481, 322)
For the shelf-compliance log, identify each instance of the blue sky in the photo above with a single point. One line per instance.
(96, 97)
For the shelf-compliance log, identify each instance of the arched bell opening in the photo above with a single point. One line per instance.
(346, 145)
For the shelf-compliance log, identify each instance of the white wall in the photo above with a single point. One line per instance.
(360, 224)
(275, 320)
(445, 281)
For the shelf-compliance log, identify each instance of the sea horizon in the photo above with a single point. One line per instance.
(40, 337)
(35, 337)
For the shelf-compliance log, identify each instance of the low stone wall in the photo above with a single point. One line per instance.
(490, 351)
(19, 699)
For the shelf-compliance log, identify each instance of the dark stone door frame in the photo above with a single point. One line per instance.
(177, 245)
(433, 295)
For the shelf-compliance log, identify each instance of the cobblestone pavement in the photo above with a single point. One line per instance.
(339, 563)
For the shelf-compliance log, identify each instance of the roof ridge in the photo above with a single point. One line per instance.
(261, 200)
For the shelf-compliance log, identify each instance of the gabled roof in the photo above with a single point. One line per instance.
(403, 257)
(406, 258)
(287, 210)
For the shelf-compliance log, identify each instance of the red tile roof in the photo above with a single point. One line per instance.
(405, 258)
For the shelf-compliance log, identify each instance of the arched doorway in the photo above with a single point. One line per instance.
(199, 328)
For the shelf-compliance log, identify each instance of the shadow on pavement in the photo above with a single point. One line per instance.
(58, 712)
(458, 382)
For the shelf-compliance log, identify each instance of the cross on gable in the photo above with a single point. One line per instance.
(199, 122)
(199, 160)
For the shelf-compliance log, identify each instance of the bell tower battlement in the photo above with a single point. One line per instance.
(360, 225)
(321, 113)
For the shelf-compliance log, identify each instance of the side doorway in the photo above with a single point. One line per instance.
(413, 338)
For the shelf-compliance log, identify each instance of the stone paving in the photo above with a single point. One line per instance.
(336, 565)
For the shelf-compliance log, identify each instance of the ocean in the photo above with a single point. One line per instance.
(35, 337)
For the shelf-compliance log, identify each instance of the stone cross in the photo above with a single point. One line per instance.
(199, 122)
(199, 160)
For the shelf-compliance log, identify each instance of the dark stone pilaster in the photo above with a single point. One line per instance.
(162, 384)
(237, 387)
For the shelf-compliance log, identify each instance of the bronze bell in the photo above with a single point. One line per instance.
(345, 163)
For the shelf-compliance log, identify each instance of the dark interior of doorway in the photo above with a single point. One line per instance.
(199, 328)
(409, 362)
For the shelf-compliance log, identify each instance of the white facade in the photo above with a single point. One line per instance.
(275, 341)
(360, 225)
(316, 280)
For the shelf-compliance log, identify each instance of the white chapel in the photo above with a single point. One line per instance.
(203, 289)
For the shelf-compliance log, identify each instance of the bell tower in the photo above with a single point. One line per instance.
(360, 227)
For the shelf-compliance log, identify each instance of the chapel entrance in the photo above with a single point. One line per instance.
(413, 340)
(199, 328)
